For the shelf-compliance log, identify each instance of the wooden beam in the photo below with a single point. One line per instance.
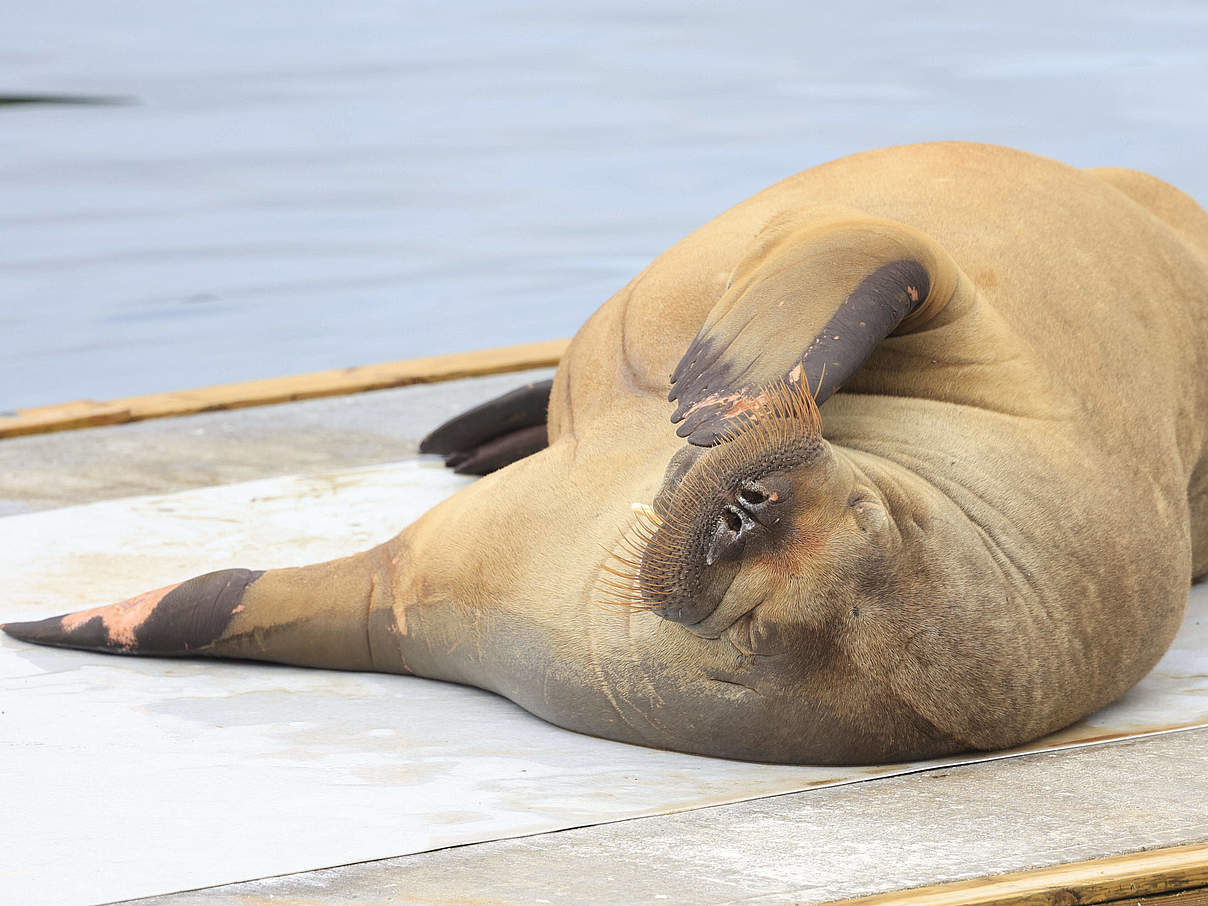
(88, 413)
(1126, 877)
(1197, 897)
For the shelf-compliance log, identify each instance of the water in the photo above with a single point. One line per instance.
(302, 186)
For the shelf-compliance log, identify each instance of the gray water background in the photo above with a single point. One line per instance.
(296, 186)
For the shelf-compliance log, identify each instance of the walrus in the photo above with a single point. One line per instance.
(904, 456)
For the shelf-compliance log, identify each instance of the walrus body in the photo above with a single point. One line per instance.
(992, 536)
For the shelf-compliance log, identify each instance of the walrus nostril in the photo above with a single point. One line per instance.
(764, 501)
(730, 534)
(732, 520)
(752, 496)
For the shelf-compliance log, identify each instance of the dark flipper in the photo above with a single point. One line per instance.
(177, 620)
(495, 434)
(337, 614)
(809, 305)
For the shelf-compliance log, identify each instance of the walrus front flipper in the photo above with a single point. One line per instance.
(319, 616)
(496, 433)
(808, 304)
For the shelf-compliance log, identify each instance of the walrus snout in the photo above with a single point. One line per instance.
(718, 507)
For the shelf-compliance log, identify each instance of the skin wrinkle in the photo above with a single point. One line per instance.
(1016, 574)
(991, 537)
(566, 434)
(644, 676)
(929, 726)
(373, 585)
(994, 545)
(884, 449)
(712, 635)
(569, 414)
(632, 374)
(1011, 571)
(388, 571)
(1044, 614)
(969, 404)
(746, 653)
(740, 685)
(596, 666)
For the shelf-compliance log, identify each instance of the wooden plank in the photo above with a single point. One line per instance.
(1197, 897)
(87, 413)
(77, 414)
(1125, 877)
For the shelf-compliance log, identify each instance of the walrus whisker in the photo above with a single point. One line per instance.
(649, 555)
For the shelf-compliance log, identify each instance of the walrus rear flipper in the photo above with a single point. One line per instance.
(317, 616)
(494, 434)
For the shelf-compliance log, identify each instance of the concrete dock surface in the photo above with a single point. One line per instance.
(866, 838)
(863, 838)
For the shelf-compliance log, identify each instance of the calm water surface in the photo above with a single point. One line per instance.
(297, 186)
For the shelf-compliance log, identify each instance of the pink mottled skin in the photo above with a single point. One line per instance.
(123, 618)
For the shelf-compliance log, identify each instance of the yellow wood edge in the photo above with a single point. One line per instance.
(89, 413)
(1097, 881)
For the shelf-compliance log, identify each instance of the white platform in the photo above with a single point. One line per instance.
(125, 777)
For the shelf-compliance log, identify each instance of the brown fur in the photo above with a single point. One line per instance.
(995, 540)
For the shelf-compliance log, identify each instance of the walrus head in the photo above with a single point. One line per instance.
(764, 516)
(757, 508)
